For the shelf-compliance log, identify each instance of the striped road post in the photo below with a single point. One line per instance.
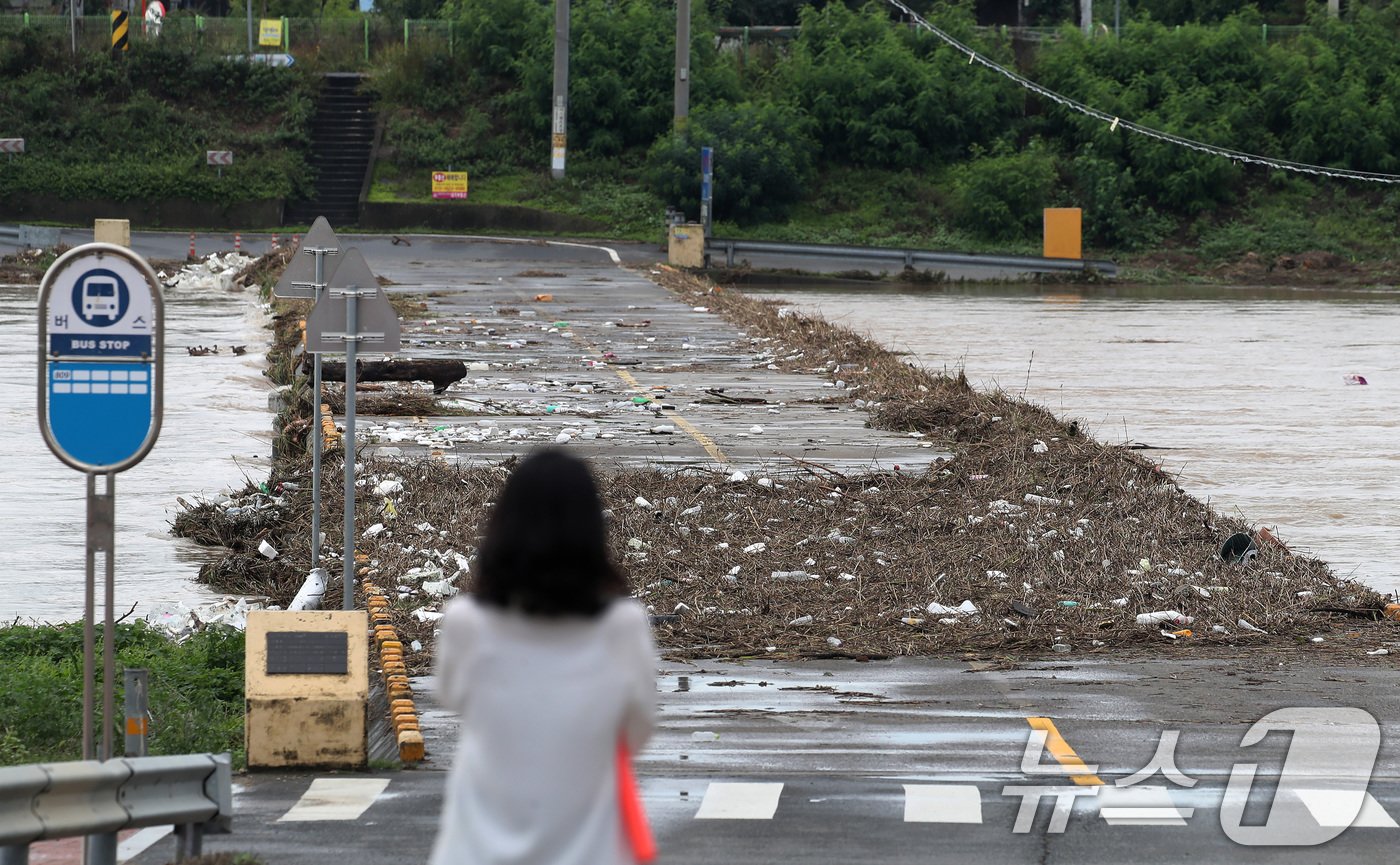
(120, 20)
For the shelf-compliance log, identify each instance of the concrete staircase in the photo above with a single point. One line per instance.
(342, 144)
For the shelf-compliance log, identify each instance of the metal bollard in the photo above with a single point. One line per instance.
(134, 686)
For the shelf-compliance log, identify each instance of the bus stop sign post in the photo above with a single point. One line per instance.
(101, 376)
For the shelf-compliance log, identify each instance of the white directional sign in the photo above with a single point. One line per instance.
(376, 324)
(11, 145)
(219, 157)
(298, 278)
(100, 344)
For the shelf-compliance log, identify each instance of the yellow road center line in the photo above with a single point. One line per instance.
(690, 429)
(1064, 754)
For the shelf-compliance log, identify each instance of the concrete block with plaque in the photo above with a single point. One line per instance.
(307, 688)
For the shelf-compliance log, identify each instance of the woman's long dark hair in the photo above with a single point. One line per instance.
(545, 550)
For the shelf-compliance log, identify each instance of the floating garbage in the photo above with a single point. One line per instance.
(1033, 499)
(738, 478)
(1353, 378)
(388, 487)
(793, 576)
(801, 620)
(267, 549)
(641, 502)
(756, 548)
(1379, 652)
(834, 642)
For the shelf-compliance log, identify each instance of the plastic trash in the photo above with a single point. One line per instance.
(834, 642)
(1353, 378)
(1033, 499)
(1238, 549)
(641, 502)
(1164, 617)
(793, 576)
(267, 549)
(966, 608)
(309, 596)
(1379, 652)
(1249, 626)
(801, 620)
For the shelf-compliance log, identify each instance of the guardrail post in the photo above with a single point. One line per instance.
(729, 254)
(14, 854)
(189, 841)
(134, 690)
(100, 849)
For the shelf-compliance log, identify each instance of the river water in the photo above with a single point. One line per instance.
(216, 429)
(1246, 387)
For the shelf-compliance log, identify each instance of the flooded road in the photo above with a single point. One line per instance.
(216, 429)
(1244, 390)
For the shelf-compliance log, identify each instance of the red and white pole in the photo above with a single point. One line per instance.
(237, 242)
(275, 243)
(296, 241)
(192, 255)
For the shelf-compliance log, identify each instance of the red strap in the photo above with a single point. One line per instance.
(634, 816)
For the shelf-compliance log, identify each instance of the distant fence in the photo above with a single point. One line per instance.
(352, 42)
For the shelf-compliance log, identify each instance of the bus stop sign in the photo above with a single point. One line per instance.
(101, 346)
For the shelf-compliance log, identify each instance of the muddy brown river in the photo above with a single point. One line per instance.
(216, 429)
(1245, 391)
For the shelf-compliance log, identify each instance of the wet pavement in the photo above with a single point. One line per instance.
(576, 350)
(919, 760)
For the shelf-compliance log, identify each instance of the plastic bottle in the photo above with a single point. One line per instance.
(1164, 617)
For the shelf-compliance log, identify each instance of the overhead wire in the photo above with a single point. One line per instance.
(1116, 123)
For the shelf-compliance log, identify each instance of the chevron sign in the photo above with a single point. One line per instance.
(11, 145)
(219, 157)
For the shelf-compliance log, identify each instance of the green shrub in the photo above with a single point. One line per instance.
(1001, 196)
(195, 698)
(764, 157)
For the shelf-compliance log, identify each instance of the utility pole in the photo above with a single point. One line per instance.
(1086, 16)
(1334, 8)
(559, 140)
(682, 61)
(250, 59)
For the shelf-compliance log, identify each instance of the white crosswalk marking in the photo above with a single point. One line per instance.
(335, 799)
(1141, 805)
(1333, 808)
(942, 803)
(733, 801)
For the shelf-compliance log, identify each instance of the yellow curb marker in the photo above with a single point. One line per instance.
(1064, 754)
(403, 714)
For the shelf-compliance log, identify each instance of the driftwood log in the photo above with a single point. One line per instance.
(441, 373)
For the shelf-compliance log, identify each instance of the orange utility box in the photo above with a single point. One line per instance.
(1063, 232)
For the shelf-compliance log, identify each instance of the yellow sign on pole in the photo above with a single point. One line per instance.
(270, 32)
(449, 184)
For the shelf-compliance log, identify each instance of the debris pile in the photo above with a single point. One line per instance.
(213, 272)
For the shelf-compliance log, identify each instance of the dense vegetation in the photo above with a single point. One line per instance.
(137, 127)
(861, 128)
(196, 691)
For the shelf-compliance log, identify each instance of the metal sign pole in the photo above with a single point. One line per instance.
(352, 329)
(109, 621)
(89, 611)
(317, 435)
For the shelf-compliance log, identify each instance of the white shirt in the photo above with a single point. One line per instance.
(544, 702)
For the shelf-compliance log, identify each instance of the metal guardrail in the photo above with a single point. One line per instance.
(912, 258)
(193, 792)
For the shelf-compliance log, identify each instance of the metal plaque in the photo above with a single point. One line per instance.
(376, 325)
(301, 270)
(308, 653)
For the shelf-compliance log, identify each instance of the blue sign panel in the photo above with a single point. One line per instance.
(100, 413)
(100, 347)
